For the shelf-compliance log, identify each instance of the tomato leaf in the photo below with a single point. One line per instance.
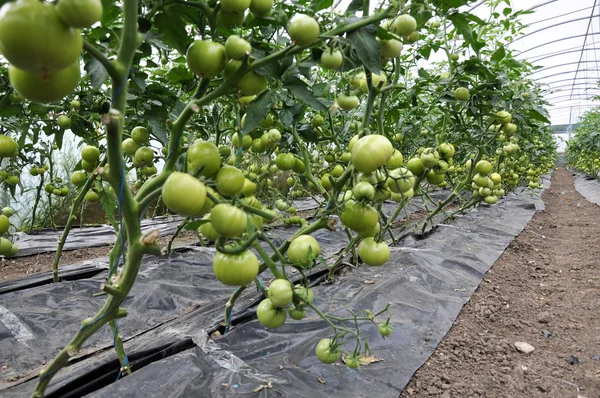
(194, 225)
(109, 204)
(96, 72)
(537, 115)
(499, 54)
(366, 47)
(172, 28)
(301, 91)
(258, 109)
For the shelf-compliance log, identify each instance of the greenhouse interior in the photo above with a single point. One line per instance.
(310, 198)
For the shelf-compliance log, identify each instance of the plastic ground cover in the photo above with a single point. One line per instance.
(79, 238)
(588, 187)
(176, 302)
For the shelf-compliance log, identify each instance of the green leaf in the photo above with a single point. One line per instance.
(96, 72)
(537, 115)
(171, 26)
(109, 204)
(499, 54)
(258, 109)
(308, 133)
(301, 91)
(366, 47)
(194, 225)
(355, 5)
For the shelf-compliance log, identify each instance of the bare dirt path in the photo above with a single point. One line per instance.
(544, 291)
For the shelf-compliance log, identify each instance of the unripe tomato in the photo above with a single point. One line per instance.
(403, 25)
(373, 253)
(353, 361)
(184, 194)
(303, 30)
(229, 221)
(79, 13)
(303, 250)
(412, 38)
(34, 39)
(252, 84)
(447, 150)
(274, 135)
(280, 292)
(371, 152)
(90, 154)
(509, 129)
(400, 180)
(378, 82)
(491, 199)
(130, 146)
(8, 147)
(143, 156)
(331, 59)
(149, 170)
(296, 313)
(45, 88)
(5, 224)
(454, 57)
(435, 178)
(64, 122)
(299, 166)
(285, 161)
(347, 102)
(359, 217)
(462, 94)
(337, 171)
(235, 269)
(78, 178)
(91, 196)
(208, 231)
(246, 141)
(327, 351)
(496, 178)
(325, 181)
(385, 329)
(140, 135)
(363, 190)
(203, 156)
(304, 293)
(229, 180)
(317, 121)
(503, 117)
(5, 247)
(261, 8)
(483, 167)
(238, 6)
(269, 315)
(87, 166)
(248, 188)
(229, 20)
(390, 48)
(206, 58)
(395, 161)
(236, 47)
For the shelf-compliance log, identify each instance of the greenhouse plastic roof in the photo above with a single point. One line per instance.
(563, 36)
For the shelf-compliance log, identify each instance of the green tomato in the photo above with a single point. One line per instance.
(385, 329)
(140, 135)
(64, 122)
(483, 167)
(229, 180)
(237, 6)
(462, 94)
(203, 156)
(303, 30)
(8, 147)
(236, 47)
(353, 361)
(130, 146)
(390, 48)
(331, 59)
(261, 8)
(91, 196)
(363, 190)
(45, 88)
(280, 292)
(285, 161)
(269, 315)
(184, 194)
(303, 250)
(359, 217)
(327, 351)
(79, 13)
(373, 253)
(34, 39)
(235, 269)
(403, 25)
(304, 293)
(252, 84)
(78, 178)
(229, 221)
(347, 102)
(296, 313)
(5, 224)
(206, 58)
(8, 211)
(90, 154)
(371, 152)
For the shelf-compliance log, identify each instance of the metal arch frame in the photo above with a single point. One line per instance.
(574, 50)
(573, 106)
(585, 40)
(555, 25)
(563, 73)
(567, 63)
(541, 5)
(571, 85)
(577, 97)
(555, 41)
(558, 16)
(568, 80)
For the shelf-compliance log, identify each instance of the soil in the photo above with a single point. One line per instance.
(22, 266)
(544, 291)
